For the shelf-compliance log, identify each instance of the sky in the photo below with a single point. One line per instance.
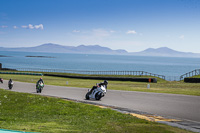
(132, 25)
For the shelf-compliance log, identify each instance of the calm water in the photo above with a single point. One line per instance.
(168, 66)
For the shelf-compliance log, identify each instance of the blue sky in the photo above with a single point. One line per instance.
(133, 25)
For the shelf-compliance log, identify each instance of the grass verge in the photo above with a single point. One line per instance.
(34, 113)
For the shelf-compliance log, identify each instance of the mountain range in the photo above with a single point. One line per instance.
(165, 52)
(56, 48)
(96, 49)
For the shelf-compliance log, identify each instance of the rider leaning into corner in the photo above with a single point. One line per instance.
(99, 85)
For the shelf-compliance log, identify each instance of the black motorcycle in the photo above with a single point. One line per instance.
(10, 84)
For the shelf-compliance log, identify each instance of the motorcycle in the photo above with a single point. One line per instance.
(1, 80)
(97, 93)
(39, 87)
(10, 84)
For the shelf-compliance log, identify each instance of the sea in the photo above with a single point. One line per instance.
(167, 66)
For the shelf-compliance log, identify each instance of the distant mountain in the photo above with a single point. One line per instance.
(96, 49)
(56, 48)
(165, 51)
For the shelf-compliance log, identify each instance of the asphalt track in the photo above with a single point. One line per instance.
(183, 107)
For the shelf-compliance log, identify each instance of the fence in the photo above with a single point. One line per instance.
(172, 78)
(134, 73)
(190, 74)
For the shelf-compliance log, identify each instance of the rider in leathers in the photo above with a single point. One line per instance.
(100, 84)
(39, 81)
(9, 82)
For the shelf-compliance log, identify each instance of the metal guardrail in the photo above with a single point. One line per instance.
(134, 73)
(190, 74)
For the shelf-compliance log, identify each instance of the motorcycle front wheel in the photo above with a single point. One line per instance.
(38, 90)
(87, 96)
(10, 87)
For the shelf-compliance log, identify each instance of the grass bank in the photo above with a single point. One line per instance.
(172, 87)
(34, 113)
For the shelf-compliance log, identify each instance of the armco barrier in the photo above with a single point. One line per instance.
(22, 73)
(192, 80)
(153, 80)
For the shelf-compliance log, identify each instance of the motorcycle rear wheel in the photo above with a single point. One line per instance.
(98, 96)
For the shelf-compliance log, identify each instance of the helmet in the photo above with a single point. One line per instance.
(105, 82)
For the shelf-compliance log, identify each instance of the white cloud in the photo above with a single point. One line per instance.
(76, 31)
(112, 31)
(93, 36)
(131, 32)
(40, 26)
(15, 27)
(24, 26)
(96, 32)
(182, 37)
(30, 26)
(100, 33)
(4, 26)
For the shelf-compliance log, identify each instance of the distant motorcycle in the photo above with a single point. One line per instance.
(39, 87)
(1, 80)
(10, 84)
(97, 92)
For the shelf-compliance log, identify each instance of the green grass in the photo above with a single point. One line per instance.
(34, 113)
(172, 87)
(198, 76)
